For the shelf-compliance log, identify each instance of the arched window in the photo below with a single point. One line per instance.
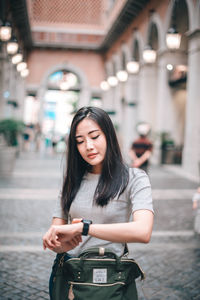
(60, 102)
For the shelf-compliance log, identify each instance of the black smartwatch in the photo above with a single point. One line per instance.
(86, 225)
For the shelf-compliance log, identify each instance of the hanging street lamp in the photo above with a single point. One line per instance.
(21, 66)
(122, 76)
(12, 46)
(5, 32)
(133, 67)
(173, 38)
(112, 81)
(149, 55)
(24, 73)
(17, 58)
(104, 85)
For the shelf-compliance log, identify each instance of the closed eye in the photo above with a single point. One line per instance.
(95, 137)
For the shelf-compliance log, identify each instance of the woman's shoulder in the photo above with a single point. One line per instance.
(137, 175)
(136, 172)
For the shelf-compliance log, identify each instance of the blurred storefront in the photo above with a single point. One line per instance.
(137, 59)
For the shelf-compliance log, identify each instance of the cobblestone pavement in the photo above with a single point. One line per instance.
(171, 260)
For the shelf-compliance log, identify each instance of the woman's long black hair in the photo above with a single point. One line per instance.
(114, 176)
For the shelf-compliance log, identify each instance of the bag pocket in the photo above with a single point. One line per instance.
(111, 291)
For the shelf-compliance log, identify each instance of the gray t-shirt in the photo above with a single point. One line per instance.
(136, 196)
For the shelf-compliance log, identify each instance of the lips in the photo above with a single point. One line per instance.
(92, 155)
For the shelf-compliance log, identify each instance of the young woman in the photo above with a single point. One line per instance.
(103, 202)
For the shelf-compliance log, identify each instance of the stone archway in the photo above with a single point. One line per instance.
(82, 93)
(84, 86)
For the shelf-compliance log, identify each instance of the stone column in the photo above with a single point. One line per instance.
(165, 110)
(20, 95)
(118, 108)
(1, 86)
(8, 109)
(129, 114)
(191, 153)
(13, 87)
(147, 94)
(4, 93)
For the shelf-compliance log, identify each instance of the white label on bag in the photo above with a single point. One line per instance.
(99, 275)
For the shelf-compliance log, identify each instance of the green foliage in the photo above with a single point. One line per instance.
(166, 140)
(10, 129)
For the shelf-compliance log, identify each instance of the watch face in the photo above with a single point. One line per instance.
(87, 222)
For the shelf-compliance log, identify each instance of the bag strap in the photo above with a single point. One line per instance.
(101, 251)
(98, 252)
(126, 251)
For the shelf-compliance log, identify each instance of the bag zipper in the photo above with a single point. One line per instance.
(72, 283)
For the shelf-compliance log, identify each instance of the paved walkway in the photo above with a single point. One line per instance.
(171, 260)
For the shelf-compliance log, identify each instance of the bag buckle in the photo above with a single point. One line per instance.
(101, 251)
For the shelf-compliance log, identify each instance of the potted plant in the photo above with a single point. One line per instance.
(9, 133)
(167, 148)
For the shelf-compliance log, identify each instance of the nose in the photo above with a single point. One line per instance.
(89, 144)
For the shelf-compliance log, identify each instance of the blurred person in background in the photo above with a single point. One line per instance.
(28, 136)
(196, 208)
(37, 136)
(141, 148)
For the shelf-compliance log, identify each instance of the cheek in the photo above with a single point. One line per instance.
(103, 145)
(80, 149)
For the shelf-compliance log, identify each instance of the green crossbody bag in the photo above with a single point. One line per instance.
(97, 273)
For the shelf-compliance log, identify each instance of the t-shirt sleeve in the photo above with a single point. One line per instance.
(140, 190)
(196, 197)
(58, 211)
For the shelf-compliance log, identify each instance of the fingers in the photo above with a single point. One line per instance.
(50, 244)
(76, 220)
(50, 239)
(72, 243)
(59, 234)
(75, 241)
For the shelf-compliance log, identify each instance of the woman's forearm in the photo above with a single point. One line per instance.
(120, 233)
(58, 221)
(138, 231)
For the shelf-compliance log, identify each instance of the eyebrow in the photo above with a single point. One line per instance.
(77, 136)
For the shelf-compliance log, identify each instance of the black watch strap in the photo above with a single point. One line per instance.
(86, 225)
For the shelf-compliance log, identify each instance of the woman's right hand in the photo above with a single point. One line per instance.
(59, 235)
(67, 246)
